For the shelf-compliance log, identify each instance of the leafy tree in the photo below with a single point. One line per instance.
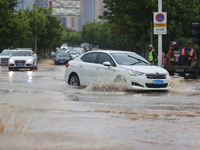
(52, 33)
(7, 26)
(132, 18)
(37, 23)
(22, 32)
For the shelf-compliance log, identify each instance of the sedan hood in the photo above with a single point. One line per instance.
(4, 56)
(146, 69)
(21, 57)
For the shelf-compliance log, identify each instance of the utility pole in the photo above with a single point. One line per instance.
(160, 28)
(160, 37)
(35, 33)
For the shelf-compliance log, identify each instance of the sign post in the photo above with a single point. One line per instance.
(160, 28)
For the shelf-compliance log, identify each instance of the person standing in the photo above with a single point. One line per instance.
(163, 59)
(152, 55)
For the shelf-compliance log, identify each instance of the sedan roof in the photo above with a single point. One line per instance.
(111, 51)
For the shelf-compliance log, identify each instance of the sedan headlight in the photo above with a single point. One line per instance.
(135, 73)
(11, 60)
(29, 60)
(167, 74)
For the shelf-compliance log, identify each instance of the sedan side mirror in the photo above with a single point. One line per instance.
(10, 55)
(106, 63)
(34, 55)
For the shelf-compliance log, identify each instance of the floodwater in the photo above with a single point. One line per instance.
(39, 111)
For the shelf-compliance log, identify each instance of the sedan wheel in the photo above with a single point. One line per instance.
(74, 80)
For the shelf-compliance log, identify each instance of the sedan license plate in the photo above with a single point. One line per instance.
(179, 70)
(158, 82)
(5, 62)
(19, 63)
(62, 61)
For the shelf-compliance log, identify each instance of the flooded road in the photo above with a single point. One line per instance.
(38, 110)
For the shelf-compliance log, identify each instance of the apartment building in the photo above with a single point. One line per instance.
(88, 12)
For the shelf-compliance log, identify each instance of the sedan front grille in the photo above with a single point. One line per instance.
(156, 76)
(19, 62)
(151, 85)
(4, 59)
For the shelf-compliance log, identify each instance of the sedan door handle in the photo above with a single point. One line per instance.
(97, 68)
(80, 66)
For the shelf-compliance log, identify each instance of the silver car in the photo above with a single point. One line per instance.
(22, 59)
(4, 56)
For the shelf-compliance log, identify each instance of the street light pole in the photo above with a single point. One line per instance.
(35, 33)
(160, 38)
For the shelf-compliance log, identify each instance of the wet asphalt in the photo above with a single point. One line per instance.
(39, 110)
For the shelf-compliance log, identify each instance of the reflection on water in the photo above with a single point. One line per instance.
(29, 75)
(10, 75)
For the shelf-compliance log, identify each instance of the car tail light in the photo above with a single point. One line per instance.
(67, 65)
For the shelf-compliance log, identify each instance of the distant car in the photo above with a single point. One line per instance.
(134, 70)
(79, 50)
(4, 56)
(66, 49)
(61, 58)
(94, 48)
(22, 59)
(64, 45)
(86, 48)
(70, 48)
(84, 44)
(73, 54)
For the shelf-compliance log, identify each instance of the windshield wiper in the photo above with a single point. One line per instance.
(136, 63)
(138, 59)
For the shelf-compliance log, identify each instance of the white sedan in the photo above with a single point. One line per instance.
(22, 59)
(136, 71)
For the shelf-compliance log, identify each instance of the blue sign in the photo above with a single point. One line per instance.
(160, 17)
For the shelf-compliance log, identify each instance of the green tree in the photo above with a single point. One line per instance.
(7, 26)
(52, 34)
(132, 18)
(22, 31)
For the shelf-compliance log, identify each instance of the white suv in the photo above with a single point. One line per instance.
(22, 59)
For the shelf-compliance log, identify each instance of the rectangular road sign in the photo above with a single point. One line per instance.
(160, 25)
(160, 22)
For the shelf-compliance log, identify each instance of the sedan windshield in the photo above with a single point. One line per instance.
(22, 53)
(4, 53)
(129, 59)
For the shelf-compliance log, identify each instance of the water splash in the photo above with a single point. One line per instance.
(180, 85)
(108, 84)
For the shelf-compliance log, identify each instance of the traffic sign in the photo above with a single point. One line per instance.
(160, 17)
(160, 22)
